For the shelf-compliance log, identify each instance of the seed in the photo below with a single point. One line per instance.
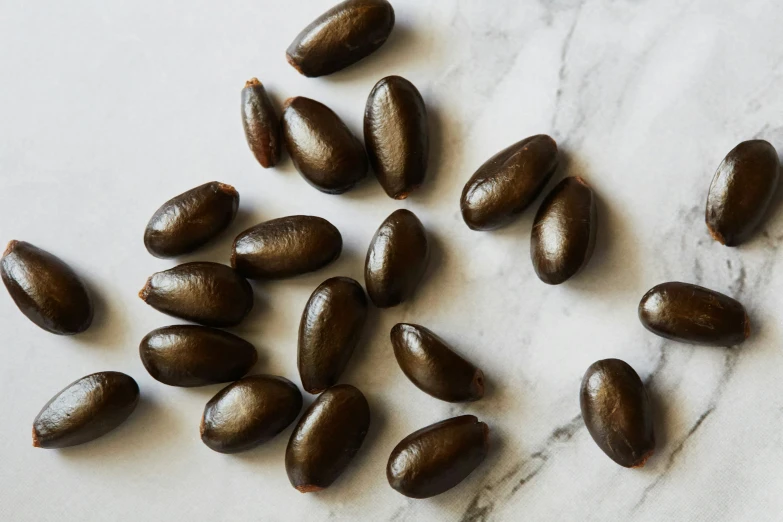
(190, 355)
(190, 220)
(46, 289)
(341, 36)
(286, 247)
(329, 331)
(261, 124)
(85, 410)
(617, 412)
(437, 458)
(207, 293)
(564, 228)
(249, 412)
(694, 314)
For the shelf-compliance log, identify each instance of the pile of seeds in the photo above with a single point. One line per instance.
(253, 409)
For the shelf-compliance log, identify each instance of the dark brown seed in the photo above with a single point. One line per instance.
(207, 293)
(564, 228)
(617, 412)
(286, 247)
(396, 135)
(45, 289)
(190, 220)
(437, 458)
(340, 37)
(741, 191)
(329, 331)
(507, 183)
(396, 260)
(693, 314)
(323, 149)
(261, 124)
(85, 410)
(190, 355)
(433, 366)
(249, 412)
(326, 438)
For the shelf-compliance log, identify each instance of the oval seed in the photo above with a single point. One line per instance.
(261, 124)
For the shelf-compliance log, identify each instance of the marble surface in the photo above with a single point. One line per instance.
(108, 109)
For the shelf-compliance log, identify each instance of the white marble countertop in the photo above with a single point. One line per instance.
(108, 109)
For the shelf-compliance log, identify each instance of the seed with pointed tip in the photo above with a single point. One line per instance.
(341, 36)
(617, 412)
(190, 220)
(286, 247)
(45, 289)
(694, 314)
(434, 367)
(206, 293)
(436, 458)
(741, 191)
(396, 260)
(85, 410)
(564, 229)
(326, 438)
(323, 149)
(508, 182)
(190, 355)
(249, 412)
(329, 331)
(396, 135)
(261, 124)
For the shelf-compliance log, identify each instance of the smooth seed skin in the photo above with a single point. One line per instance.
(261, 124)
(433, 366)
(507, 183)
(396, 260)
(190, 355)
(329, 331)
(45, 289)
(211, 294)
(191, 220)
(694, 314)
(249, 412)
(323, 149)
(396, 136)
(437, 458)
(617, 412)
(741, 191)
(341, 36)
(564, 230)
(286, 247)
(85, 410)
(326, 438)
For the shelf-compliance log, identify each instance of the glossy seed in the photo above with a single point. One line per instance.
(433, 366)
(396, 135)
(261, 124)
(326, 438)
(396, 259)
(323, 149)
(207, 293)
(564, 229)
(46, 289)
(741, 191)
(249, 412)
(329, 331)
(190, 220)
(286, 247)
(190, 355)
(507, 183)
(694, 314)
(341, 36)
(437, 458)
(85, 410)
(617, 412)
